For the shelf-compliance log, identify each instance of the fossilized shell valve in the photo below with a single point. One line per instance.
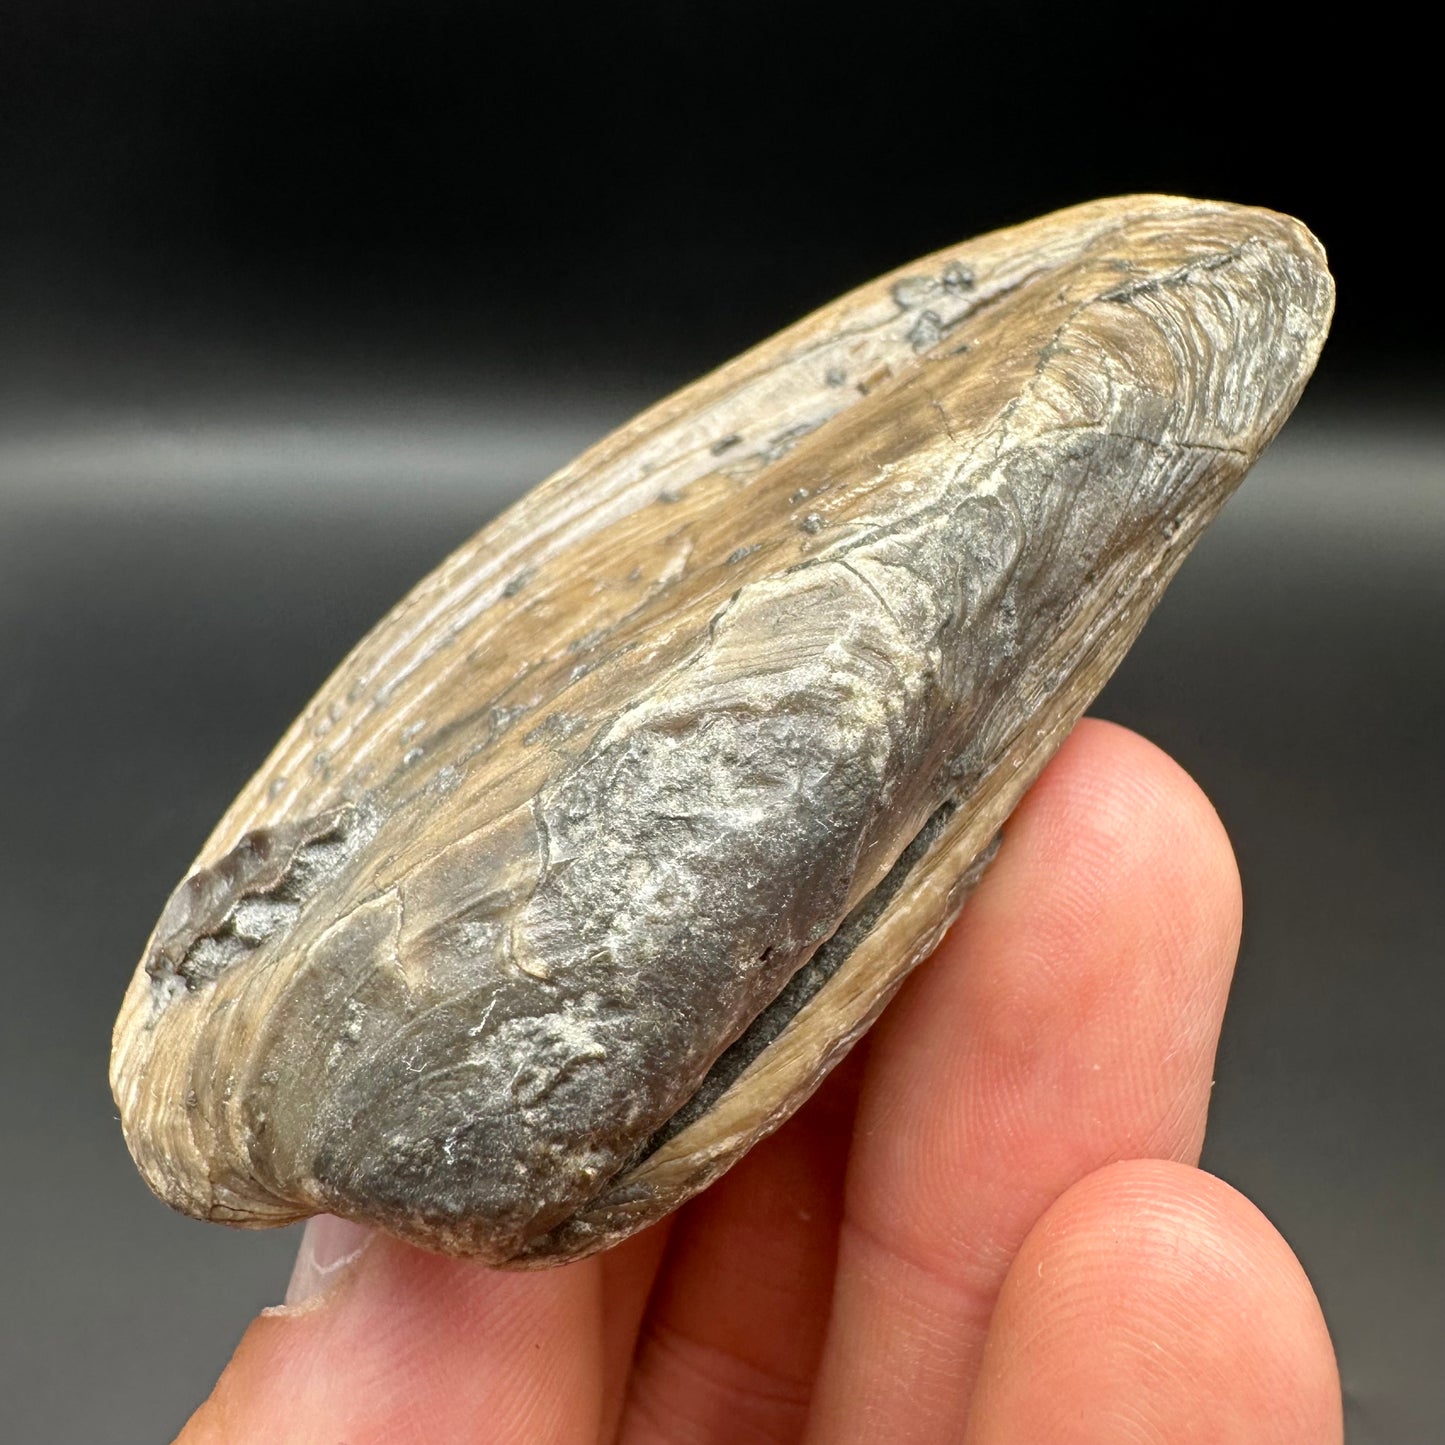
(604, 846)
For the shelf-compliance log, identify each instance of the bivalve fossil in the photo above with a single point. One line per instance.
(589, 862)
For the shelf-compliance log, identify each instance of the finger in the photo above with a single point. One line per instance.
(1153, 1302)
(629, 1271)
(1069, 1019)
(732, 1336)
(404, 1346)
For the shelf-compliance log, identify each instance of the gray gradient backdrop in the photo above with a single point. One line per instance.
(172, 587)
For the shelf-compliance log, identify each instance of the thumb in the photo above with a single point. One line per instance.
(379, 1342)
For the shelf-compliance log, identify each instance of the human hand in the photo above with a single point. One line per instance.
(987, 1225)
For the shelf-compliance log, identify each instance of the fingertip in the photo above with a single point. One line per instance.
(1154, 1301)
(1073, 1012)
(1106, 934)
(1110, 800)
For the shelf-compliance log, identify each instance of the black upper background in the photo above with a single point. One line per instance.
(192, 190)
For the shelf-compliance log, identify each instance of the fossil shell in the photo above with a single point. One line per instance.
(602, 848)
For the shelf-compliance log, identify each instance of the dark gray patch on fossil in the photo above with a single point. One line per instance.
(503, 716)
(589, 641)
(785, 441)
(804, 985)
(221, 914)
(689, 862)
(1180, 276)
(926, 331)
(911, 292)
(557, 727)
(958, 278)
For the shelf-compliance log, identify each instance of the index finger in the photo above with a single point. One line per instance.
(1070, 1019)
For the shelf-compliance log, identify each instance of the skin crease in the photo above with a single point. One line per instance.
(985, 1228)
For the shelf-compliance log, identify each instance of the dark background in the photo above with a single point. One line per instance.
(294, 295)
(381, 194)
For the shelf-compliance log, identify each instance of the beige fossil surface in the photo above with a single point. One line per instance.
(593, 857)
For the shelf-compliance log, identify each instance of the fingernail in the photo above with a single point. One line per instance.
(328, 1247)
